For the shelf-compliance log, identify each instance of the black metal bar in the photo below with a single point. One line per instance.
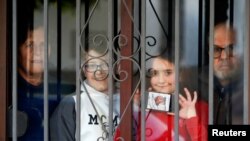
(59, 48)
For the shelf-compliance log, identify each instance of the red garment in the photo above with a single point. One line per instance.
(160, 126)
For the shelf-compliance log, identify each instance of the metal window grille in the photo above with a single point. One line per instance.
(128, 41)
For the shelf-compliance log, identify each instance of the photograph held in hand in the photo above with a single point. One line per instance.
(160, 101)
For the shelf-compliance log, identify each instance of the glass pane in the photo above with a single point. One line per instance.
(30, 41)
(228, 64)
(160, 72)
(166, 81)
(95, 72)
(193, 110)
(30, 70)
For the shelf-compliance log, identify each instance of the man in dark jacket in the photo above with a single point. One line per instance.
(228, 82)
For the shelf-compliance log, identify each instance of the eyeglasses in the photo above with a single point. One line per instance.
(95, 67)
(229, 50)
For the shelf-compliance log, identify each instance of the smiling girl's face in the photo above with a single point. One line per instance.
(162, 76)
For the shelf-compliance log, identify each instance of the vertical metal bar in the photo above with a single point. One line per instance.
(45, 84)
(110, 62)
(143, 65)
(4, 57)
(86, 16)
(246, 64)
(211, 59)
(177, 47)
(78, 62)
(201, 37)
(59, 48)
(231, 11)
(14, 70)
(127, 66)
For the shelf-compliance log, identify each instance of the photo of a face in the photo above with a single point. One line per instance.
(158, 101)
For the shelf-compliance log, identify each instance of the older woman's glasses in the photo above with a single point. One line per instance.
(229, 50)
(94, 67)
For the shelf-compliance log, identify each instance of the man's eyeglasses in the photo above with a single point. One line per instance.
(95, 67)
(229, 50)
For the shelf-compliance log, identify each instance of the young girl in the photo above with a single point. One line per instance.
(193, 114)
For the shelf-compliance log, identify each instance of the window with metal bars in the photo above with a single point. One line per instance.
(77, 64)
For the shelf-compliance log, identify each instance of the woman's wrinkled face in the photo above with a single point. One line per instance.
(31, 52)
(162, 76)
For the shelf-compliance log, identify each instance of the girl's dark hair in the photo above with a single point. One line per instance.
(168, 53)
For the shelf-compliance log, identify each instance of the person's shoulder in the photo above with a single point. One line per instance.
(66, 106)
(68, 99)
